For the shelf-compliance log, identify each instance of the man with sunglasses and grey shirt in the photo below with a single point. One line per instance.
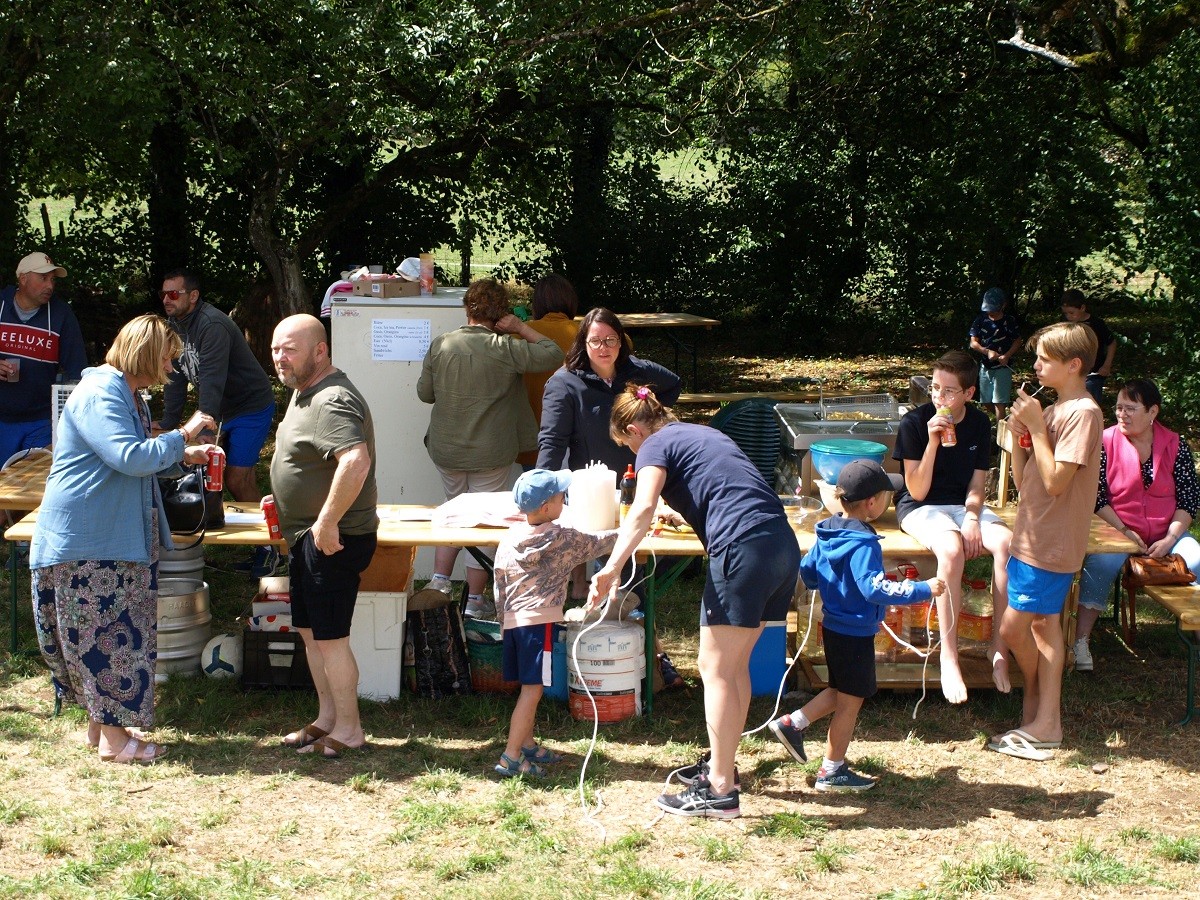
(231, 386)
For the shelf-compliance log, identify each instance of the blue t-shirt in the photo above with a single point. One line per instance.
(710, 482)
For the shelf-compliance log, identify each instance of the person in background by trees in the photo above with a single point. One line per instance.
(232, 388)
(996, 336)
(1075, 309)
(39, 340)
(555, 306)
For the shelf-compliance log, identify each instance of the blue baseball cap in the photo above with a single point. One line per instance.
(537, 486)
(993, 300)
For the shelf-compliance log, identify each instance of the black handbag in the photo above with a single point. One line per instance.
(190, 508)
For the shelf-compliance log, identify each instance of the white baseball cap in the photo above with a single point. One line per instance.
(41, 264)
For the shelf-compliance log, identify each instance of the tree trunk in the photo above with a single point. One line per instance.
(592, 140)
(278, 256)
(167, 204)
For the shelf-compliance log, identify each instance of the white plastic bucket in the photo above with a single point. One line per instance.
(609, 662)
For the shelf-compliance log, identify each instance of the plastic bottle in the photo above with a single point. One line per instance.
(628, 490)
(426, 274)
(949, 432)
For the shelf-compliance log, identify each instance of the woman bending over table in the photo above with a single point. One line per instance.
(94, 554)
(1148, 490)
(754, 561)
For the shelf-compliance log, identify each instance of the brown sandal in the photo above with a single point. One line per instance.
(309, 734)
(331, 748)
(136, 752)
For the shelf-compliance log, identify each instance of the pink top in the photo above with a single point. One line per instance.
(1148, 511)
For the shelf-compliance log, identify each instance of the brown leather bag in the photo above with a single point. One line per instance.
(1171, 569)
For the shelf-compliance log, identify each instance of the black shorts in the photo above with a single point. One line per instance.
(325, 588)
(753, 580)
(851, 662)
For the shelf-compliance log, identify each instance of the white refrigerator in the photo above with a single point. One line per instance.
(380, 344)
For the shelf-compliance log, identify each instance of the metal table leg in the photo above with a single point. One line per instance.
(1192, 648)
(653, 585)
(12, 586)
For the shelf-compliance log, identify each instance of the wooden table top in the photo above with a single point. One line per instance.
(666, 320)
(23, 483)
(396, 530)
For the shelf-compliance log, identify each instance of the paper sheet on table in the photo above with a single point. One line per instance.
(478, 511)
(243, 518)
(407, 514)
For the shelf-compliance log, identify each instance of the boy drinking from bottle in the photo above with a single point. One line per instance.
(1057, 476)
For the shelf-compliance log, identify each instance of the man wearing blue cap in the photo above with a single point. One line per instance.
(533, 565)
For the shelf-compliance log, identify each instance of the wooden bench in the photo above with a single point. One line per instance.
(718, 399)
(1183, 602)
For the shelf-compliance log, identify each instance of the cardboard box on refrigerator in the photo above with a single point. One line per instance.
(387, 288)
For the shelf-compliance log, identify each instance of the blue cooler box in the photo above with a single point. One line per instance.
(768, 660)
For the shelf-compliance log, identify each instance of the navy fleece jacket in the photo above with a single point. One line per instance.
(846, 566)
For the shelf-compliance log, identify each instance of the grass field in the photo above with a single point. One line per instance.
(232, 814)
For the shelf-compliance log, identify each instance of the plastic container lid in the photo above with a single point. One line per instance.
(847, 447)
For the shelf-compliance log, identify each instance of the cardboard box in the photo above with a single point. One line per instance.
(388, 288)
(391, 569)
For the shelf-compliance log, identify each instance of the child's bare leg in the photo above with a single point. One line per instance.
(841, 726)
(1046, 724)
(821, 705)
(948, 549)
(1017, 632)
(520, 728)
(996, 539)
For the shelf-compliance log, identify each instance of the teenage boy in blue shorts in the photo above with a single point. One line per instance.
(1057, 478)
(533, 566)
(846, 565)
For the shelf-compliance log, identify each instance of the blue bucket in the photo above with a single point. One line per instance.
(828, 457)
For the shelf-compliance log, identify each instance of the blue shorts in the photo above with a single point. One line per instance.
(18, 436)
(246, 436)
(1037, 591)
(529, 653)
(995, 385)
(752, 580)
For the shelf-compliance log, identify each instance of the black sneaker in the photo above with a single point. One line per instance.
(699, 800)
(790, 736)
(699, 772)
(842, 779)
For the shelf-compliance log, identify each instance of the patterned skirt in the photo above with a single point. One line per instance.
(97, 625)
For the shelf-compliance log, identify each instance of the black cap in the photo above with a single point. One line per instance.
(865, 478)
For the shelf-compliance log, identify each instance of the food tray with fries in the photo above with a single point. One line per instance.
(860, 408)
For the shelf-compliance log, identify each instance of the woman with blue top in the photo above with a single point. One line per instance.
(753, 564)
(94, 554)
(1148, 491)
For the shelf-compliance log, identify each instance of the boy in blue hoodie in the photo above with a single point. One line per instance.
(846, 566)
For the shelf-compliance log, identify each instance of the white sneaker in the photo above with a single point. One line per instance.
(1083, 656)
(481, 609)
(440, 583)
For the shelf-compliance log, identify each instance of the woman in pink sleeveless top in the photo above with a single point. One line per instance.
(1148, 490)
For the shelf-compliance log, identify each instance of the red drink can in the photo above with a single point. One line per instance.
(271, 514)
(1026, 441)
(214, 472)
